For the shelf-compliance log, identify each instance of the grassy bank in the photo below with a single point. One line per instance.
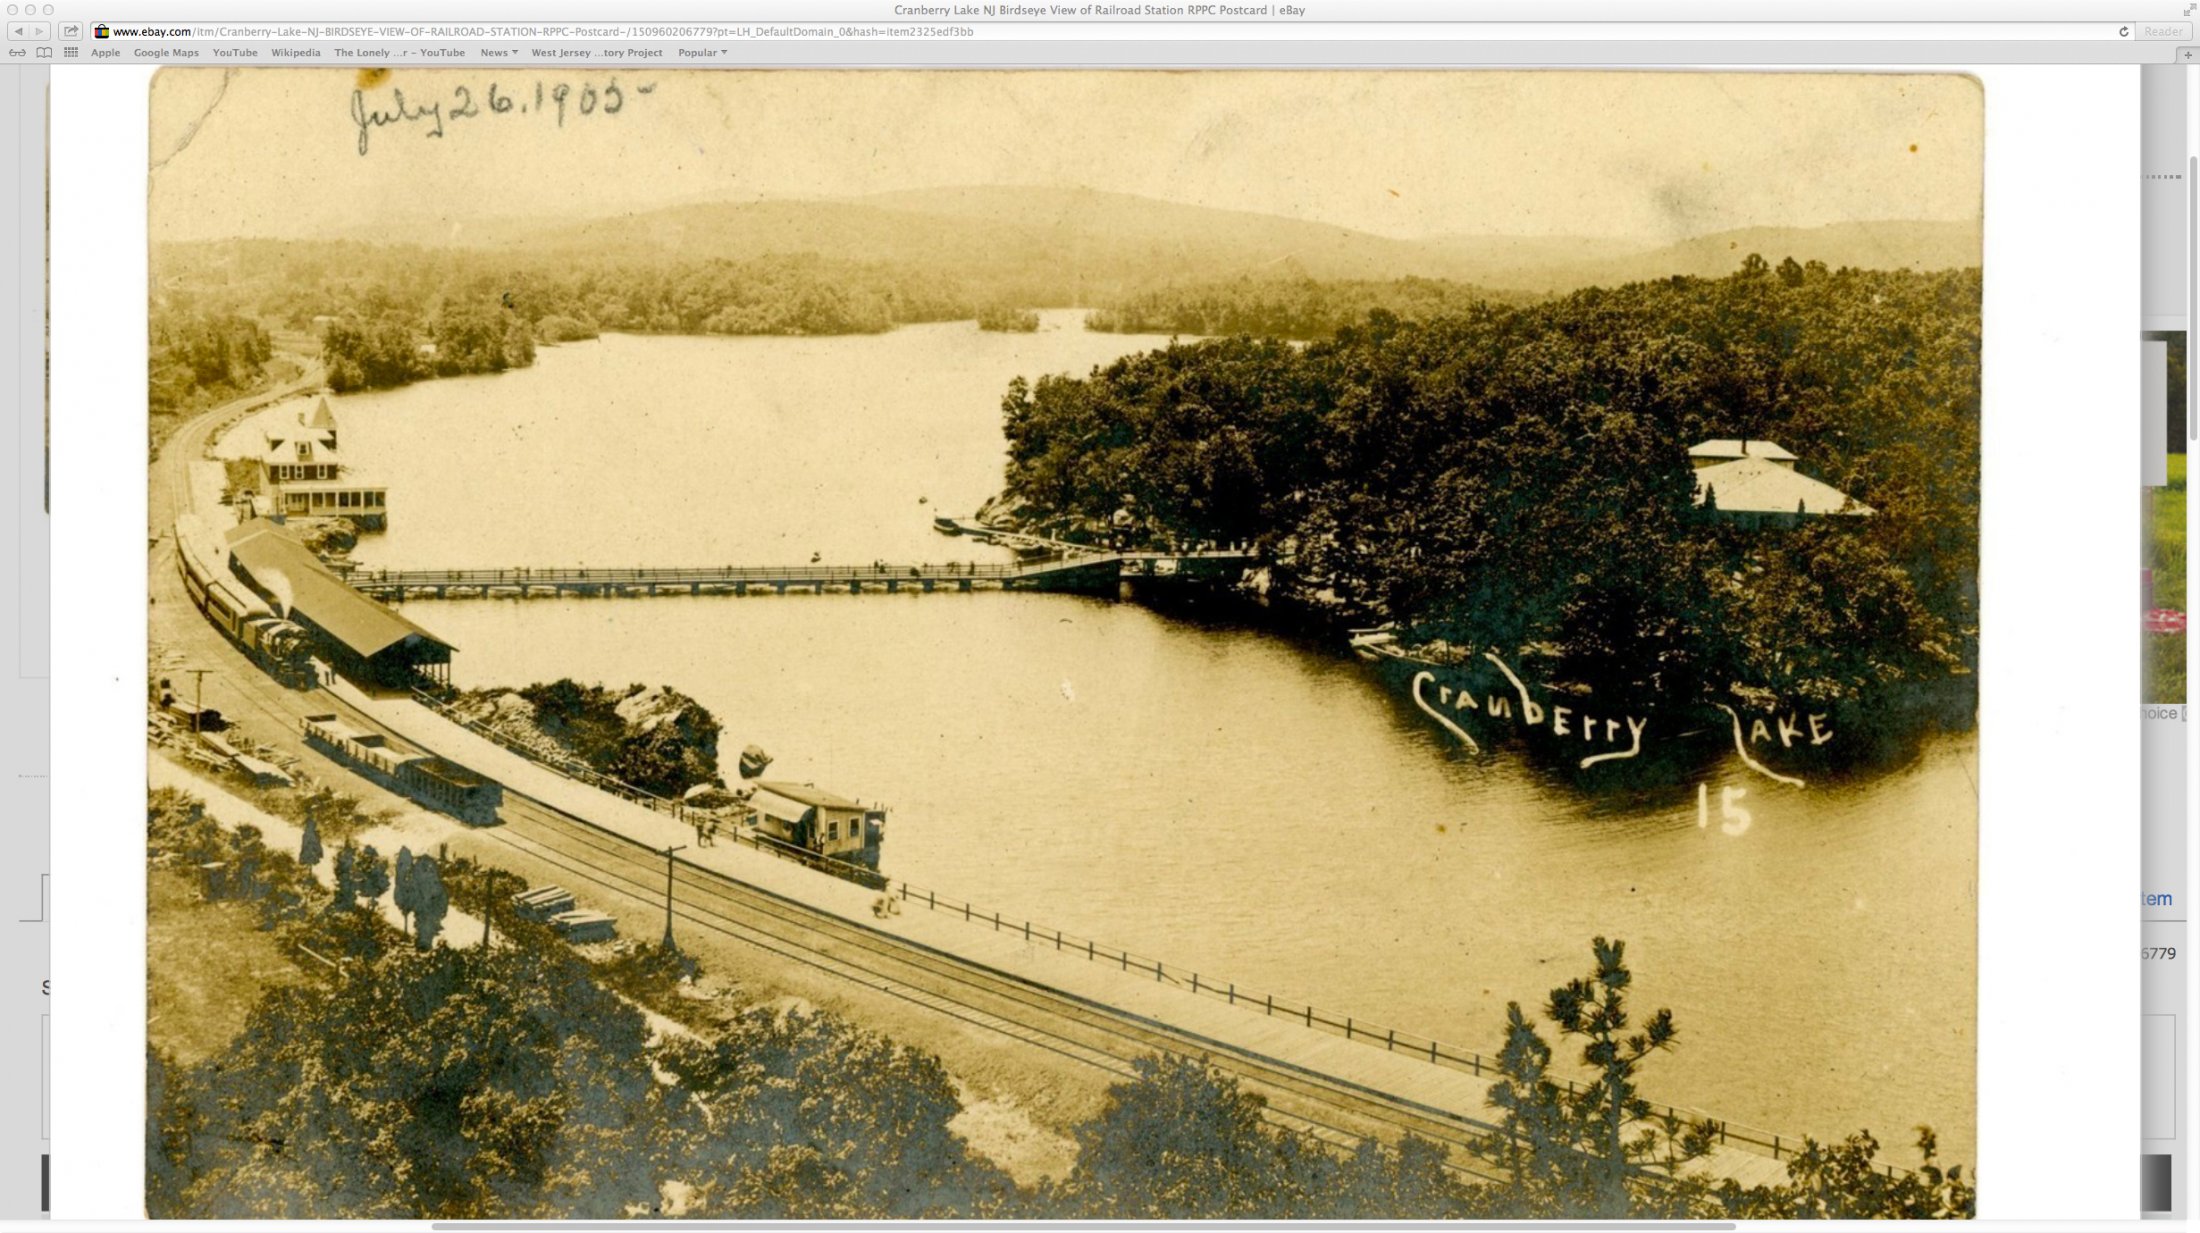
(206, 963)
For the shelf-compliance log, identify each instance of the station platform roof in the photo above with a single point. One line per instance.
(278, 564)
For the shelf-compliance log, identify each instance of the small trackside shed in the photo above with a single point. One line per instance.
(811, 818)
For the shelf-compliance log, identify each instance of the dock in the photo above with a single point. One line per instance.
(1097, 573)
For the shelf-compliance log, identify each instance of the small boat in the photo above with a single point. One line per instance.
(1369, 644)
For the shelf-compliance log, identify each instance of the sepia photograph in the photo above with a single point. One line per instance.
(1066, 644)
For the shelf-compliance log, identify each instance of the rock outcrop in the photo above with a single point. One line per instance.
(653, 737)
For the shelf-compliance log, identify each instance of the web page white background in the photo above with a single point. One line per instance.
(2059, 858)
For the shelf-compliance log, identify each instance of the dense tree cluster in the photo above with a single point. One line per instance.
(1517, 476)
(460, 1084)
(200, 357)
(1008, 319)
(464, 336)
(1300, 308)
(232, 863)
(414, 1080)
(479, 303)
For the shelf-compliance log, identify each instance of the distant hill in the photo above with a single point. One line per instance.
(1866, 245)
(1085, 244)
(1105, 244)
(919, 254)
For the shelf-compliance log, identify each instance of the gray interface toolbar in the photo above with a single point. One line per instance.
(25, 628)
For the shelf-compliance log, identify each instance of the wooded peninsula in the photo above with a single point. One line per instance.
(1519, 477)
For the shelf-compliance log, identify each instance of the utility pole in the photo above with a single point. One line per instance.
(670, 947)
(489, 880)
(198, 696)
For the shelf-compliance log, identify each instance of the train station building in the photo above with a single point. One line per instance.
(365, 641)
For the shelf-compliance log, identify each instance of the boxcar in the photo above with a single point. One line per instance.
(445, 787)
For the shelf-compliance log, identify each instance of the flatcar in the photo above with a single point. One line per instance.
(280, 646)
(445, 787)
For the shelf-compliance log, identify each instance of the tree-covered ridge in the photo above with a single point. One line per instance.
(293, 284)
(1298, 308)
(1518, 477)
(389, 314)
(201, 355)
(396, 347)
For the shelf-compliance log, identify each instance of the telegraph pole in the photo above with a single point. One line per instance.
(198, 696)
(489, 880)
(670, 947)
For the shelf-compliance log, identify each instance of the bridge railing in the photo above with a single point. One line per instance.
(798, 575)
(373, 579)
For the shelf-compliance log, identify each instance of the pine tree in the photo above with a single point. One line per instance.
(309, 847)
(402, 886)
(430, 902)
(1573, 1151)
(371, 874)
(347, 886)
(1610, 1111)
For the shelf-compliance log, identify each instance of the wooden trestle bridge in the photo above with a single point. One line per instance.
(1096, 574)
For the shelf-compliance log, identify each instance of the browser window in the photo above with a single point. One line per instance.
(1168, 612)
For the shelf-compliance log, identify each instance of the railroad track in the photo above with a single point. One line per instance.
(1105, 1039)
(1331, 1112)
(1071, 1027)
(1334, 1112)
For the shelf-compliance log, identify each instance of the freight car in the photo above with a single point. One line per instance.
(442, 786)
(279, 646)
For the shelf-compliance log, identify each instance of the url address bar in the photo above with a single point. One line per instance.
(1072, 27)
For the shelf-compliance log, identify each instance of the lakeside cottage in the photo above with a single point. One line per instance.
(827, 823)
(303, 474)
(1755, 484)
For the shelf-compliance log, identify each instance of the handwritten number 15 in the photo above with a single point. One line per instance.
(1734, 819)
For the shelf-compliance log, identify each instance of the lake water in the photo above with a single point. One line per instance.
(1226, 799)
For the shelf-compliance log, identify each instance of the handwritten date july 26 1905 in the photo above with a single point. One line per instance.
(431, 113)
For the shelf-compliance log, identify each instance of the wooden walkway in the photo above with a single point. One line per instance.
(1098, 573)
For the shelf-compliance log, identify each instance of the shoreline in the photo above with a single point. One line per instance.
(1305, 625)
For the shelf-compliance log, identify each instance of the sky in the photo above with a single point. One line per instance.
(1650, 157)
